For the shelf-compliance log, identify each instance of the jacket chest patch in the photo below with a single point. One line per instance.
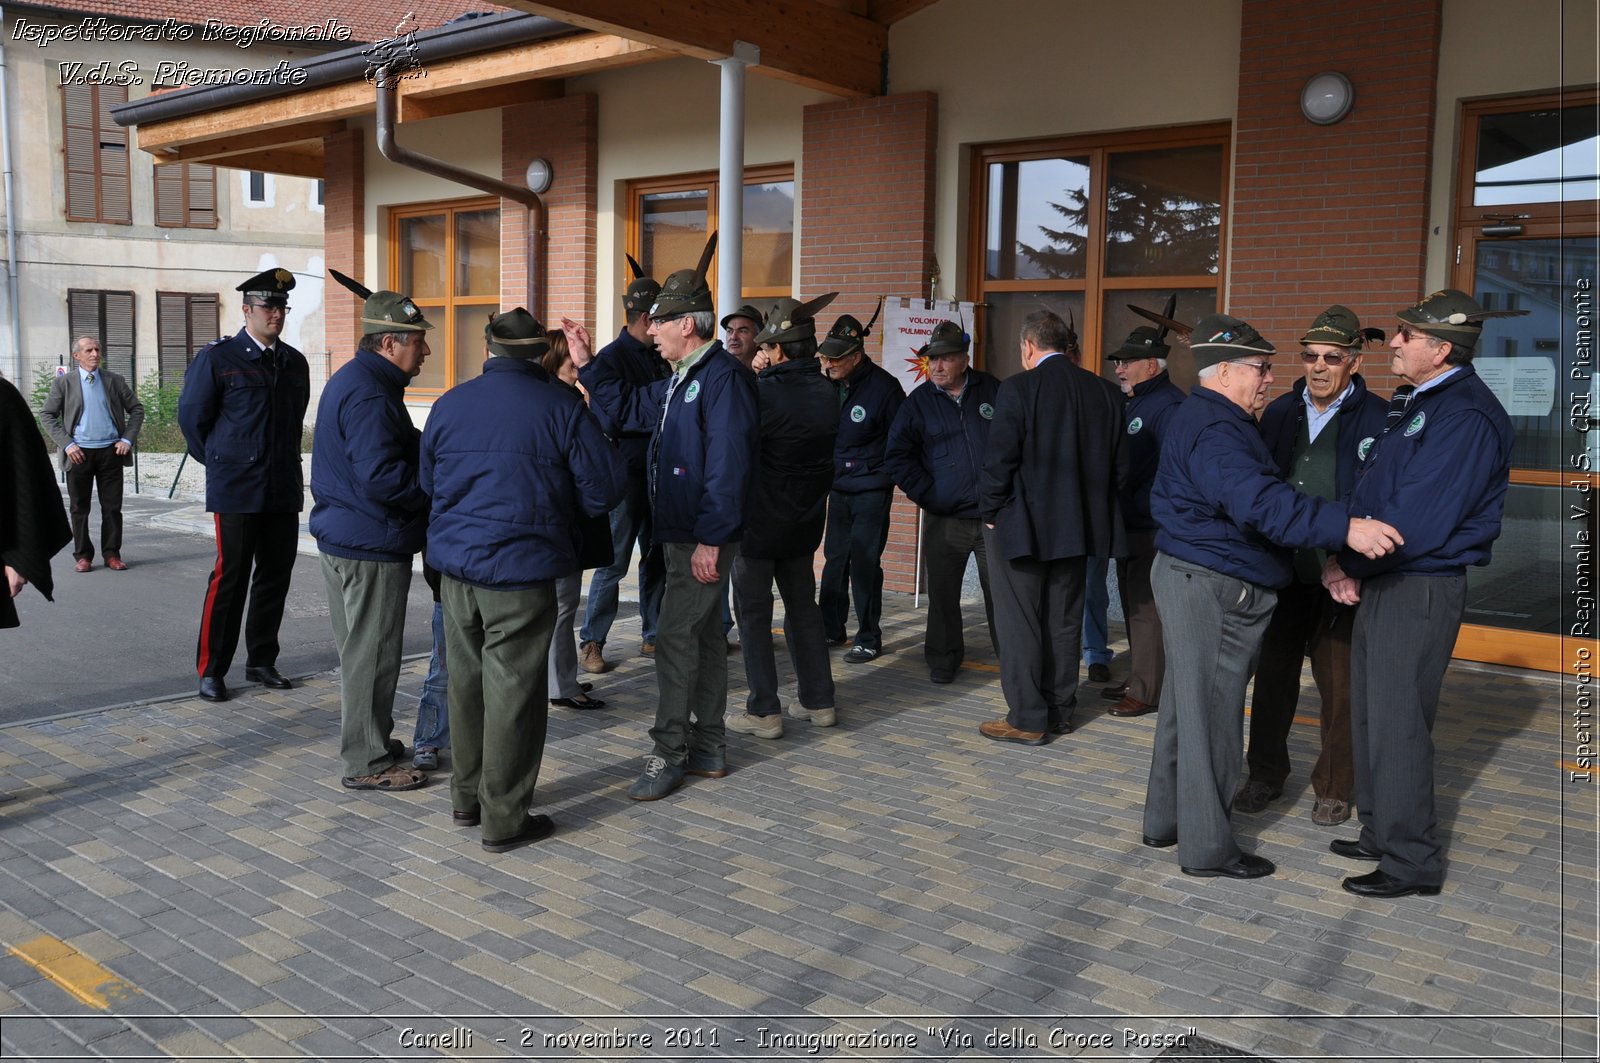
(858, 414)
(1416, 424)
(1134, 426)
(987, 411)
(693, 391)
(1364, 448)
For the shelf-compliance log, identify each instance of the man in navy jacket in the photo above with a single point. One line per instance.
(510, 460)
(369, 516)
(1223, 510)
(701, 453)
(1438, 472)
(1317, 433)
(243, 411)
(935, 453)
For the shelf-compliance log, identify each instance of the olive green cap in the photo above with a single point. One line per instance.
(687, 291)
(391, 312)
(516, 334)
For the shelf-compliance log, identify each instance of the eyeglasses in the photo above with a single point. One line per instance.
(1263, 367)
(268, 308)
(665, 318)
(1407, 334)
(1334, 359)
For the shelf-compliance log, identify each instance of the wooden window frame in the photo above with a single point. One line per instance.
(192, 328)
(186, 181)
(1094, 285)
(98, 138)
(639, 188)
(442, 339)
(103, 328)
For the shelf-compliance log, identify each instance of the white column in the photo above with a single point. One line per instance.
(730, 177)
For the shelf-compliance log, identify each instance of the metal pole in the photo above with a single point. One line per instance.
(12, 296)
(730, 177)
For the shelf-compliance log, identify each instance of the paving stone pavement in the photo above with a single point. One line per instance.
(895, 887)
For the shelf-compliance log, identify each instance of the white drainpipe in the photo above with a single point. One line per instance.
(12, 297)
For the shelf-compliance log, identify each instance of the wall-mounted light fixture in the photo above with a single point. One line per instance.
(1326, 98)
(539, 176)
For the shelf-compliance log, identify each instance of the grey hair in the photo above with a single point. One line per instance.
(1208, 372)
(705, 323)
(1161, 364)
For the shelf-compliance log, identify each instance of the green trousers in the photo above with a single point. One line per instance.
(691, 659)
(497, 644)
(367, 600)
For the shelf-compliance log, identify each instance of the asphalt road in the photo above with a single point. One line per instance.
(114, 637)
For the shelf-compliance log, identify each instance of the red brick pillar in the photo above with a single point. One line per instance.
(565, 133)
(343, 204)
(1332, 214)
(867, 205)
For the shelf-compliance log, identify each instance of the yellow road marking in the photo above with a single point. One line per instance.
(73, 971)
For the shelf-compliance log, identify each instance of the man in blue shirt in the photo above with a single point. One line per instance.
(94, 418)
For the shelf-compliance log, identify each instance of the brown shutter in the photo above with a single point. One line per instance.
(202, 195)
(170, 208)
(83, 315)
(117, 342)
(116, 204)
(80, 148)
(172, 334)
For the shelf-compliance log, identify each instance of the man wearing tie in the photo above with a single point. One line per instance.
(94, 417)
(242, 412)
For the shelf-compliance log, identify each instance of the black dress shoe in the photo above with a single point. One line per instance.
(469, 818)
(212, 688)
(1159, 843)
(940, 676)
(267, 676)
(1351, 850)
(538, 828)
(582, 701)
(1248, 865)
(1383, 884)
(1099, 673)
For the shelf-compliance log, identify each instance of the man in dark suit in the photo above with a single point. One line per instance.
(1048, 496)
(94, 418)
(243, 411)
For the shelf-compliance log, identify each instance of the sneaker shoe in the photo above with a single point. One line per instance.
(1099, 673)
(425, 759)
(1255, 796)
(817, 717)
(647, 649)
(706, 766)
(760, 726)
(590, 658)
(1330, 812)
(860, 655)
(657, 780)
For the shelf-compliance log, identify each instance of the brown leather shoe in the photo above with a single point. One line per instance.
(1330, 812)
(115, 564)
(1116, 693)
(1001, 731)
(590, 659)
(83, 565)
(1130, 706)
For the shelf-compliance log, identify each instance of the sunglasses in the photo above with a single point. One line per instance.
(1262, 367)
(1333, 360)
(1407, 334)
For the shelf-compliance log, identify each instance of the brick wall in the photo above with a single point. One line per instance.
(867, 203)
(343, 204)
(565, 132)
(1332, 214)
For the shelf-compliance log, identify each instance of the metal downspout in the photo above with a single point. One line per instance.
(730, 176)
(12, 288)
(390, 149)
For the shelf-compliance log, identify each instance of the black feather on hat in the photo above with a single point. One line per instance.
(686, 291)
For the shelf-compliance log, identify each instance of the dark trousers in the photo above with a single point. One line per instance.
(852, 552)
(1216, 623)
(1038, 615)
(1147, 656)
(101, 470)
(254, 550)
(1405, 630)
(753, 578)
(947, 542)
(1306, 621)
(692, 659)
(498, 645)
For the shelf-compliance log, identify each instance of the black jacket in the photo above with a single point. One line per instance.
(868, 401)
(637, 365)
(937, 445)
(798, 412)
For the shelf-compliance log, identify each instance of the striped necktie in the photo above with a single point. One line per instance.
(1398, 405)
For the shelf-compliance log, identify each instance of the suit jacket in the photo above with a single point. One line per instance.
(63, 408)
(1056, 457)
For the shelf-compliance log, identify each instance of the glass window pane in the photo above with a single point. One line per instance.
(1002, 333)
(1164, 212)
(422, 266)
(768, 235)
(468, 329)
(1520, 588)
(478, 253)
(432, 376)
(672, 230)
(1039, 213)
(1541, 156)
(1532, 362)
(1118, 321)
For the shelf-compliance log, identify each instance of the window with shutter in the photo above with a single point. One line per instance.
(96, 151)
(186, 195)
(185, 321)
(108, 316)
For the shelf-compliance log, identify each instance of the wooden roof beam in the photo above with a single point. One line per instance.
(211, 150)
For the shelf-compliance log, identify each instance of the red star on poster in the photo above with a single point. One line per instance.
(918, 365)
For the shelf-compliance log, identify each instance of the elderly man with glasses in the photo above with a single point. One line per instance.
(1226, 517)
(243, 412)
(1318, 433)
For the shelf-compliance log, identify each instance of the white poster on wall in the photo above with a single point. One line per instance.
(907, 324)
(1525, 385)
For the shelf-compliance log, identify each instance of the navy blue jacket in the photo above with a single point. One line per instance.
(366, 502)
(869, 399)
(511, 459)
(1146, 414)
(936, 445)
(637, 365)
(704, 445)
(245, 426)
(1358, 424)
(1440, 477)
(799, 411)
(1219, 500)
